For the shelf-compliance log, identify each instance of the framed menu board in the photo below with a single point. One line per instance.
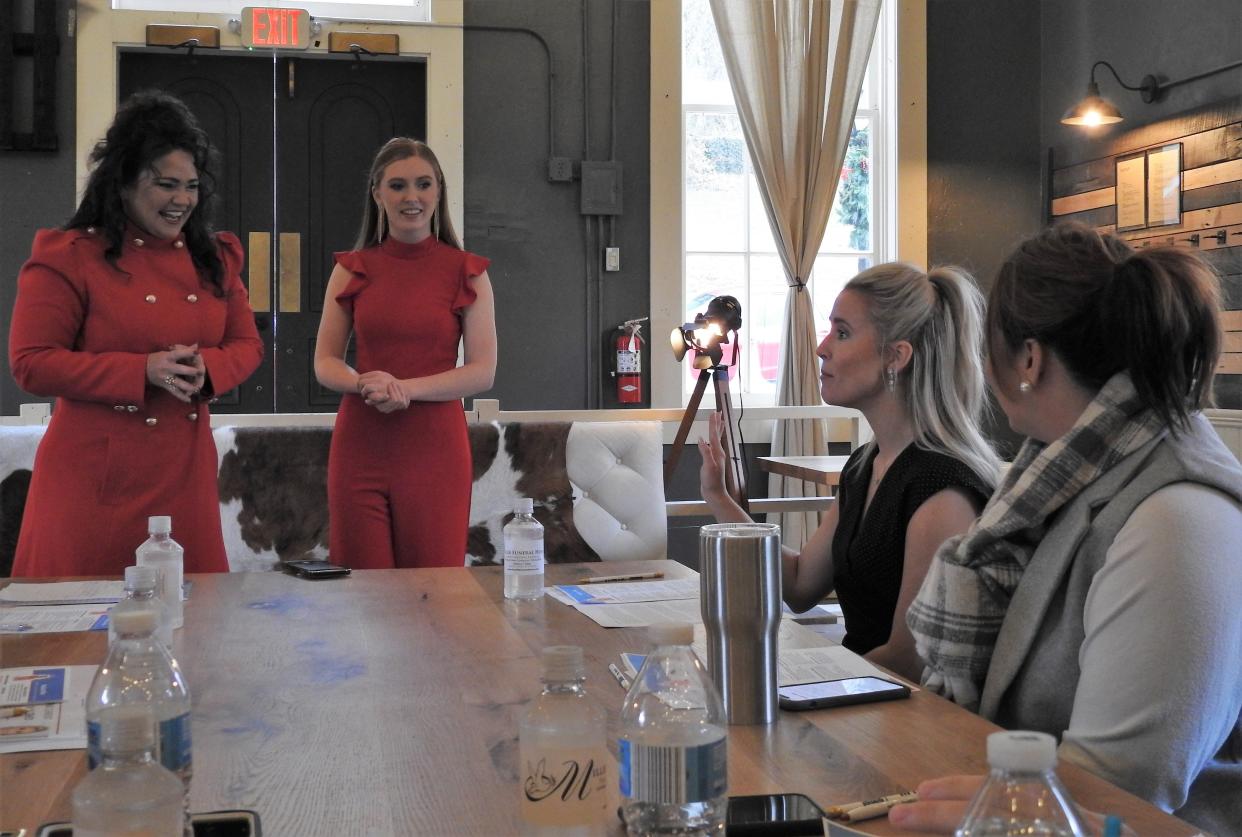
(1132, 192)
(1164, 185)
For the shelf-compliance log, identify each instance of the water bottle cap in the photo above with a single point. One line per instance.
(1022, 751)
(141, 578)
(126, 728)
(563, 662)
(159, 524)
(524, 505)
(671, 633)
(140, 621)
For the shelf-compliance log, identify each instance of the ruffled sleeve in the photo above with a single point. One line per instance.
(352, 261)
(472, 266)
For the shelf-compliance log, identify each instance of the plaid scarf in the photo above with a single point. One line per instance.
(957, 615)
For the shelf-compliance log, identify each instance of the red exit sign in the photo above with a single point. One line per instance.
(264, 27)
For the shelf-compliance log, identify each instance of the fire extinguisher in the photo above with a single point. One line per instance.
(628, 363)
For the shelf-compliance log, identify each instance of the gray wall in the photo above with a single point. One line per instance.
(555, 306)
(983, 138)
(36, 187)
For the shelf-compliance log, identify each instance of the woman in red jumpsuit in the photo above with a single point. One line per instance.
(399, 468)
(132, 316)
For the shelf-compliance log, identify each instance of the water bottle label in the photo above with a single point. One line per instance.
(673, 775)
(172, 745)
(565, 786)
(526, 558)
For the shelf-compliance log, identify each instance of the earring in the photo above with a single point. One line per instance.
(890, 379)
(1025, 386)
(381, 226)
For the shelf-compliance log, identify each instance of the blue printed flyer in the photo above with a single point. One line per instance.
(43, 708)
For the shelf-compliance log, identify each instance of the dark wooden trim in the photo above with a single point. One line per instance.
(1218, 195)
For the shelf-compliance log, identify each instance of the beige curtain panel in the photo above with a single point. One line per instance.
(796, 68)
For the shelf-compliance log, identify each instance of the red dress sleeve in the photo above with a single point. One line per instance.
(241, 349)
(352, 261)
(472, 266)
(52, 303)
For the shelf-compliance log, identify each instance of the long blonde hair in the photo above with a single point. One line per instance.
(942, 389)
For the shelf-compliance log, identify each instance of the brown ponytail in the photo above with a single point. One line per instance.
(1103, 308)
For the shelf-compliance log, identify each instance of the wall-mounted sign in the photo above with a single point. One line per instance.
(275, 28)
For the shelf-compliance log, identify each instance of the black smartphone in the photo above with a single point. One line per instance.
(315, 569)
(839, 693)
(238, 823)
(774, 815)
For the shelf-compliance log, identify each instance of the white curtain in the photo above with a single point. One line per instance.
(796, 68)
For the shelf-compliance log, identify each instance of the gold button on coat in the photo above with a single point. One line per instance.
(150, 297)
(133, 408)
(138, 242)
(151, 422)
(192, 298)
(192, 416)
(178, 244)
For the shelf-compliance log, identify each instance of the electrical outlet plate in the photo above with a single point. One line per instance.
(560, 169)
(612, 258)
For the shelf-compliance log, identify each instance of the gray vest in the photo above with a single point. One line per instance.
(1034, 671)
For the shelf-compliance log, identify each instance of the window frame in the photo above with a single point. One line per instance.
(669, 109)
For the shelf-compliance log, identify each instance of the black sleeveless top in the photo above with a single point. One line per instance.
(868, 552)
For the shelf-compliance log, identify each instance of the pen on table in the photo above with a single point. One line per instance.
(870, 808)
(14, 627)
(600, 579)
(620, 675)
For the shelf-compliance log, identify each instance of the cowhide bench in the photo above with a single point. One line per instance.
(598, 489)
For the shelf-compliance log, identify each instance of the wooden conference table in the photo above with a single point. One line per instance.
(387, 703)
(824, 470)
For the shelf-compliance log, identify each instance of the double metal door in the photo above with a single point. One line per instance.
(296, 136)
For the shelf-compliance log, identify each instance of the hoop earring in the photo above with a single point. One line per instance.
(890, 379)
(381, 226)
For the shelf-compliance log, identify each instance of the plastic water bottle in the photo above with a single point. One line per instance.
(130, 792)
(567, 780)
(139, 672)
(523, 553)
(1022, 794)
(142, 591)
(167, 556)
(673, 766)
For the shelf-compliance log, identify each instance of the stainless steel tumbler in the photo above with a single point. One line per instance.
(740, 597)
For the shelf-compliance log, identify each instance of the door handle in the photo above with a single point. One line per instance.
(259, 259)
(290, 273)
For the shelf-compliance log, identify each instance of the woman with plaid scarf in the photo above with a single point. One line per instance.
(1096, 598)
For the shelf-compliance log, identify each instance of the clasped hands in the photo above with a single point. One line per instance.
(382, 391)
(180, 370)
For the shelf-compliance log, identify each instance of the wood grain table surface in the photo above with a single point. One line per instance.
(387, 703)
(823, 470)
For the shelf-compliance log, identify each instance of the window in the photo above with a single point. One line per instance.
(727, 246)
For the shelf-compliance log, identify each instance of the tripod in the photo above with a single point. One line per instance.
(735, 473)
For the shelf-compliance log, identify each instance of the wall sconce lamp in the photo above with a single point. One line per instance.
(1094, 109)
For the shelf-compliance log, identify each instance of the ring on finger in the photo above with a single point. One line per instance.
(168, 380)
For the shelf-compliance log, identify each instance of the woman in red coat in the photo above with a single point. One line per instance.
(399, 467)
(133, 316)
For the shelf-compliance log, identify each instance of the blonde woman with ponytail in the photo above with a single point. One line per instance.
(905, 348)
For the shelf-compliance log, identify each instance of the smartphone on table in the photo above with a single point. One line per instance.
(839, 693)
(779, 815)
(315, 569)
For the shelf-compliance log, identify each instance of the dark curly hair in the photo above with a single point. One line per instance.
(148, 125)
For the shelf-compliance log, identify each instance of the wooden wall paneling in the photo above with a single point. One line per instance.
(1231, 290)
(1197, 178)
(1093, 174)
(1174, 129)
(1105, 216)
(1208, 147)
(1084, 200)
(1221, 193)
